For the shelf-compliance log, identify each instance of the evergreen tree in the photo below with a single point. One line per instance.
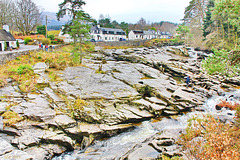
(207, 25)
(70, 7)
(80, 30)
(41, 29)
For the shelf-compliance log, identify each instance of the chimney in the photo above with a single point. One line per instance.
(6, 28)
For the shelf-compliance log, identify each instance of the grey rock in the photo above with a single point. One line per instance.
(64, 121)
(39, 153)
(156, 100)
(182, 95)
(143, 152)
(17, 154)
(40, 68)
(54, 149)
(28, 138)
(102, 86)
(60, 139)
(38, 109)
(3, 106)
(5, 147)
(1, 123)
(10, 131)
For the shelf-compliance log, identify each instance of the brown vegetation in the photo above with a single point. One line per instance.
(211, 139)
(230, 105)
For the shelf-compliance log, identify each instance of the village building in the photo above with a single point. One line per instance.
(107, 34)
(66, 37)
(98, 33)
(136, 35)
(6, 39)
(150, 34)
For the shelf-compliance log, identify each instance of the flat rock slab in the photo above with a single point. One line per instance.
(85, 83)
(182, 94)
(89, 128)
(141, 113)
(9, 91)
(145, 151)
(17, 154)
(3, 106)
(1, 123)
(156, 100)
(5, 147)
(38, 109)
(50, 93)
(142, 102)
(64, 121)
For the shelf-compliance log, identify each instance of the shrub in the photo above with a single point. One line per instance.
(27, 40)
(232, 106)
(57, 41)
(17, 43)
(5, 46)
(219, 63)
(51, 37)
(146, 91)
(46, 41)
(24, 69)
(210, 139)
(11, 118)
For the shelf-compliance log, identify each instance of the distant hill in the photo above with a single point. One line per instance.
(52, 19)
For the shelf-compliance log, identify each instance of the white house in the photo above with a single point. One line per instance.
(150, 34)
(107, 34)
(136, 35)
(99, 34)
(6, 38)
(66, 37)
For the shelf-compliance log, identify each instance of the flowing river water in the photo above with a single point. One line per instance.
(116, 147)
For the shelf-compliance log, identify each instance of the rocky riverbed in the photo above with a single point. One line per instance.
(116, 92)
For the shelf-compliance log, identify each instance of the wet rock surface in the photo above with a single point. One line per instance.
(105, 99)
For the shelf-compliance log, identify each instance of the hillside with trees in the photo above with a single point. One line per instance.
(214, 25)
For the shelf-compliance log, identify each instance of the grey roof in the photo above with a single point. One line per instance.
(6, 36)
(137, 32)
(149, 32)
(112, 29)
(115, 30)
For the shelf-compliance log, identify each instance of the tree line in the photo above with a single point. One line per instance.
(214, 25)
(142, 24)
(24, 16)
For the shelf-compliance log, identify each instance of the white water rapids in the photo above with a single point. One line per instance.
(115, 147)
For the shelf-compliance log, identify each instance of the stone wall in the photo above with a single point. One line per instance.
(4, 57)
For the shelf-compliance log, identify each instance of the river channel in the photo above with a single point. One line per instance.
(117, 147)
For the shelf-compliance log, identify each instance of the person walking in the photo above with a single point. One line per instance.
(46, 47)
(188, 81)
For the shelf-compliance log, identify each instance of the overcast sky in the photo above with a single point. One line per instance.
(128, 10)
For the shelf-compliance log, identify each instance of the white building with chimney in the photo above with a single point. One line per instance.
(107, 34)
(6, 39)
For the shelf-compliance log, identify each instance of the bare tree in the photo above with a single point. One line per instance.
(7, 8)
(142, 23)
(27, 16)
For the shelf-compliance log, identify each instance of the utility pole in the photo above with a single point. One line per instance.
(46, 26)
